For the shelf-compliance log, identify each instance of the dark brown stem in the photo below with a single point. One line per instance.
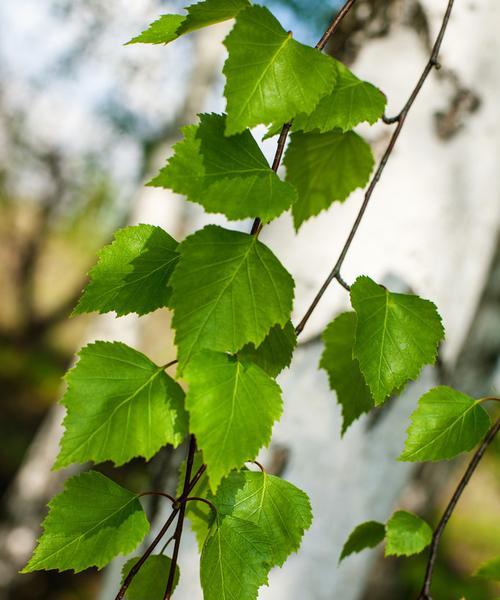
(257, 224)
(170, 364)
(400, 120)
(163, 494)
(135, 569)
(180, 520)
(438, 532)
(204, 500)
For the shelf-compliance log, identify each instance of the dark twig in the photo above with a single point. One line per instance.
(168, 496)
(204, 500)
(170, 364)
(438, 532)
(257, 224)
(180, 520)
(400, 120)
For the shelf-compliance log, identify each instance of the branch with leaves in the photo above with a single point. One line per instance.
(232, 302)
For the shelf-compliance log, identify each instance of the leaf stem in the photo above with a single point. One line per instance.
(400, 120)
(257, 224)
(168, 496)
(438, 532)
(180, 520)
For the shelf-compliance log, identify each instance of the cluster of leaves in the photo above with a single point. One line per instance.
(232, 303)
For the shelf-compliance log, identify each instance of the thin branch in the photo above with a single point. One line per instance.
(165, 495)
(180, 520)
(204, 500)
(438, 532)
(170, 364)
(400, 120)
(257, 224)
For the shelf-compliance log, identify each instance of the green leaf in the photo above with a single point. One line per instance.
(489, 570)
(225, 175)
(132, 273)
(234, 560)
(278, 507)
(271, 77)
(169, 27)
(445, 424)
(151, 580)
(396, 335)
(232, 407)
(229, 290)
(343, 370)
(406, 534)
(276, 351)
(89, 523)
(325, 167)
(119, 405)
(366, 535)
(352, 102)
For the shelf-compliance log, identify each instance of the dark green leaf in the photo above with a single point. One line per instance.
(232, 407)
(270, 76)
(366, 535)
(343, 370)
(445, 424)
(89, 523)
(276, 351)
(325, 167)
(119, 405)
(150, 582)
(396, 335)
(489, 570)
(229, 290)
(132, 273)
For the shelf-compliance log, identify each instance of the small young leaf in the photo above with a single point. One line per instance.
(396, 335)
(276, 351)
(151, 580)
(445, 424)
(278, 507)
(352, 102)
(225, 175)
(325, 167)
(234, 560)
(406, 534)
(89, 523)
(343, 370)
(270, 76)
(489, 570)
(132, 273)
(366, 535)
(119, 405)
(169, 27)
(230, 278)
(232, 407)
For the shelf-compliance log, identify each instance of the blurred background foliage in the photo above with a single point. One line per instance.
(81, 119)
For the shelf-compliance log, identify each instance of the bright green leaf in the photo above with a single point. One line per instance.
(352, 102)
(234, 560)
(132, 273)
(225, 175)
(270, 76)
(445, 424)
(278, 507)
(343, 370)
(150, 582)
(406, 534)
(489, 570)
(366, 535)
(396, 335)
(89, 523)
(276, 351)
(119, 405)
(232, 407)
(169, 27)
(227, 278)
(325, 167)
